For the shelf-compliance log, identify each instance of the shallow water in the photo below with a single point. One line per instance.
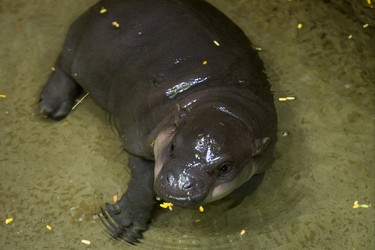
(59, 173)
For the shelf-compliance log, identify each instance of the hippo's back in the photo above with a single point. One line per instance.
(140, 55)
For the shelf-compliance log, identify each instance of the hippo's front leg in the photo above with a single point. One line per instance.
(132, 213)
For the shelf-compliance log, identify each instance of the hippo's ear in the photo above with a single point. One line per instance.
(259, 145)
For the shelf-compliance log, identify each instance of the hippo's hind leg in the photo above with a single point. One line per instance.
(59, 94)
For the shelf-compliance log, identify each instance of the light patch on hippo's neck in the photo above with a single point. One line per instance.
(221, 190)
(162, 140)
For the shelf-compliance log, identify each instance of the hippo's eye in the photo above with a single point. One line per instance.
(225, 168)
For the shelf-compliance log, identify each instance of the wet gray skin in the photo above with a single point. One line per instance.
(202, 97)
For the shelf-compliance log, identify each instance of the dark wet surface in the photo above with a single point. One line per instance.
(60, 173)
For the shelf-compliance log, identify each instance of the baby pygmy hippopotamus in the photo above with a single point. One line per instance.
(188, 95)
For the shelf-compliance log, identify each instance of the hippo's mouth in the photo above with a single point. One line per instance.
(189, 201)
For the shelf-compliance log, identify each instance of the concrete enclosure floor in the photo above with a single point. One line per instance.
(60, 173)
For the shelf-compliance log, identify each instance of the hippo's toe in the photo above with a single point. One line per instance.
(123, 223)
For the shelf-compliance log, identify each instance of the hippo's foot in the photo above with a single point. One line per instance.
(125, 222)
(129, 217)
(58, 95)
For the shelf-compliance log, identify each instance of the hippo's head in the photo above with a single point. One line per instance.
(204, 158)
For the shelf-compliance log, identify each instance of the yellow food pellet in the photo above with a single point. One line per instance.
(300, 25)
(3, 95)
(216, 43)
(103, 10)
(205, 62)
(356, 205)
(115, 198)
(288, 98)
(53, 68)
(153, 143)
(49, 227)
(369, 2)
(201, 209)
(242, 232)
(86, 242)
(116, 24)
(365, 26)
(9, 220)
(167, 205)
(350, 37)
(258, 49)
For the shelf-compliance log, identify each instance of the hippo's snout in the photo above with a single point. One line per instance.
(184, 189)
(183, 182)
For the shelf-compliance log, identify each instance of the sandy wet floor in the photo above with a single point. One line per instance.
(60, 173)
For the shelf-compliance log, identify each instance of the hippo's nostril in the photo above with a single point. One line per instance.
(188, 186)
(183, 182)
(188, 183)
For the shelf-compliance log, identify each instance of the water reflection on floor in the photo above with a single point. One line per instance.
(58, 174)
